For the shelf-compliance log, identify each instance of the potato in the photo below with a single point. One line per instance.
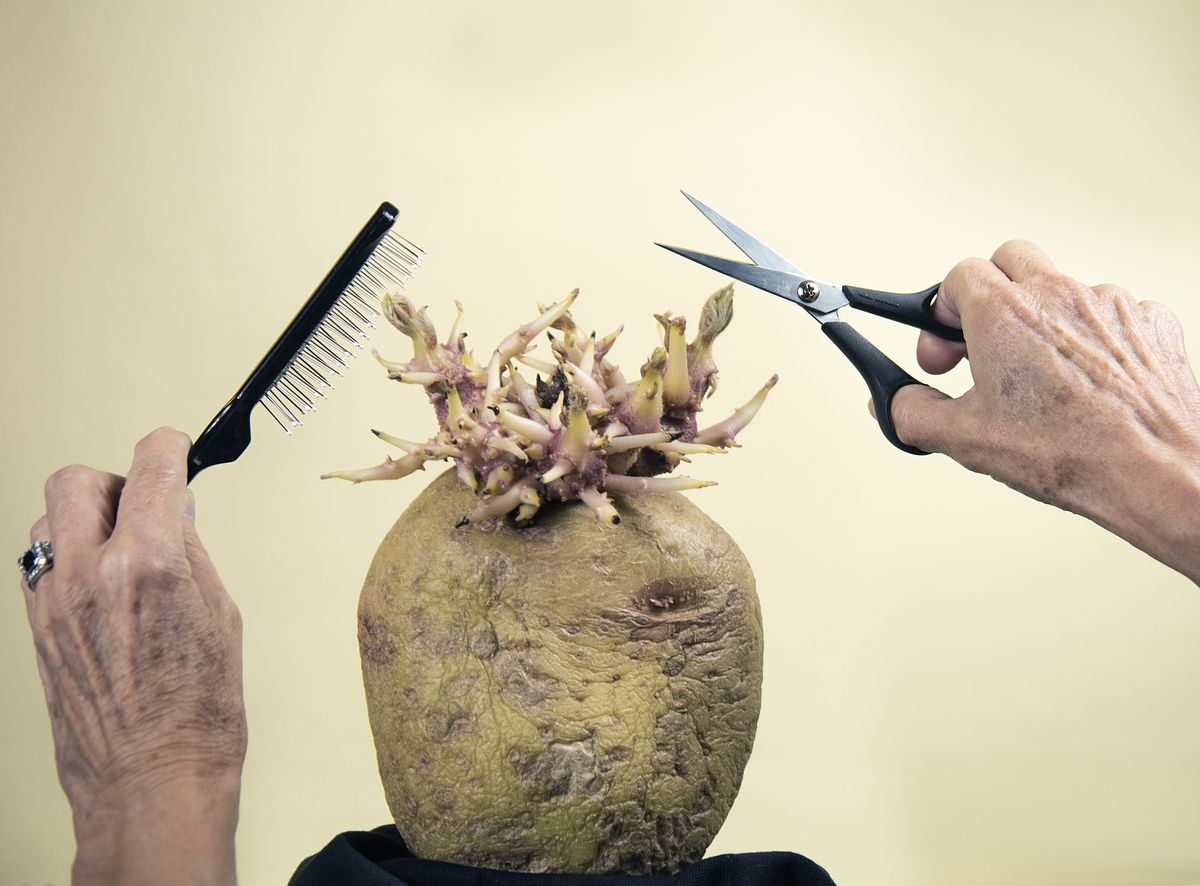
(565, 696)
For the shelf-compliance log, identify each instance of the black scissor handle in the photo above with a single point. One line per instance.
(883, 377)
(909, 308)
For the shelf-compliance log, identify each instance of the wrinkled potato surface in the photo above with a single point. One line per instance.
(566, 696)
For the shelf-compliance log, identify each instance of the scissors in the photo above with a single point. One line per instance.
(772, 273)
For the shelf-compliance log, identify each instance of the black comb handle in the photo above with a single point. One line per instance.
(228, 434)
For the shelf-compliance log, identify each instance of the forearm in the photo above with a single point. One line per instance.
(181, 833)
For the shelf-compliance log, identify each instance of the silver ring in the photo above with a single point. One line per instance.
(35, 562)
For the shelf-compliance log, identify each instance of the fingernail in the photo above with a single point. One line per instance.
(189, 504)
(871, 407)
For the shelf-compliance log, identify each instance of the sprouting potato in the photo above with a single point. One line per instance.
(562, 655)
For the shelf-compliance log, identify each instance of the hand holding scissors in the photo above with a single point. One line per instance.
(1083, 397)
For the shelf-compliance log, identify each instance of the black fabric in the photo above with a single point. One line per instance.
(380, 858)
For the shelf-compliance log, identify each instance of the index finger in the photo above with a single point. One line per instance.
(1022, 261)
(968, 282)
(152, 502)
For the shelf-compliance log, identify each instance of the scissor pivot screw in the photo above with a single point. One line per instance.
(808, 291)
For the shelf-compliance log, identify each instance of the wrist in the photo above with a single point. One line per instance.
(179, 831)
(1157, 505)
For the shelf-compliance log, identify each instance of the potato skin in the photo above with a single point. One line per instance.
(566, 697)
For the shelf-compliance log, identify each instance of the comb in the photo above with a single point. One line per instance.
(317, 345)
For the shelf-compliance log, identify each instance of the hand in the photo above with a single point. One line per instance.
(139, 651)
(1083, 397)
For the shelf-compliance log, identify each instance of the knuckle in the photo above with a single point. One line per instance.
(999, 311)
(1011, 249)
(969, 279)
(140, 564)
(161, 569)
(115, 565)
(1070, 290)
(1023, 261)
(994, 310)
(1052, 291)
(159, 457)
(1111, 292)
(164, 438)
(1160, 312)
(1165, 324)
(964, 271)
(67, 478)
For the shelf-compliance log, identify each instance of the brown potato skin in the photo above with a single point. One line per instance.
(567, 697)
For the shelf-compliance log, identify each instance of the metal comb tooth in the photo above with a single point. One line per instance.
(308, 371)
(368, 318)
(319, 346)
(293, 377)
(408, 252)
(333, 325)
(284, 397)
(388, 263)
(287, 386)
(366, 303)
(324, 336)
(348, 306)
(348, 322)
(377, 280)
(271, 412)
(274, 400)
(303, 376)
(312, 351)
(339, 311)
(370, 292)
(343, 338)
(327, 350)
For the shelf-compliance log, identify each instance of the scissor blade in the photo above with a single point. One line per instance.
(780, 283)
(754, 248)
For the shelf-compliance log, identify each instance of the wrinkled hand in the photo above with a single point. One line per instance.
(139, 651)
(1083, 397)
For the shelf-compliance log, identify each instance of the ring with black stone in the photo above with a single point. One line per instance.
(35, 562)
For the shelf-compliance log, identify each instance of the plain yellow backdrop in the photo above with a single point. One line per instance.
(962, 686)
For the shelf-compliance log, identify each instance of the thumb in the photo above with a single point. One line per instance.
(924, 417)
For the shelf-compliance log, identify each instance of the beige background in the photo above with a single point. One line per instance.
(963, 686)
